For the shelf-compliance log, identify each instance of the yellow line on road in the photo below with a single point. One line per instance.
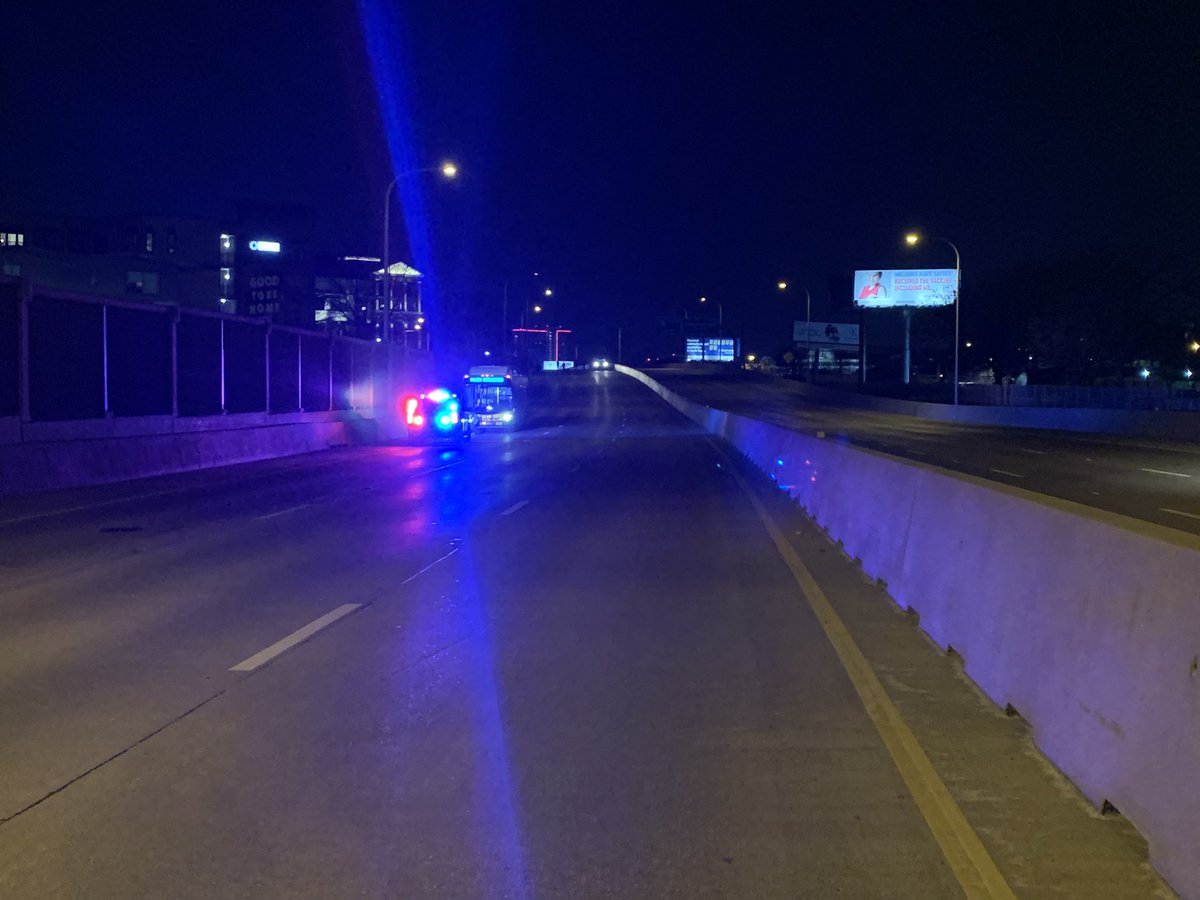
(968, 858)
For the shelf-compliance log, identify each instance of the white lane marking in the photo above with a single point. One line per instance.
(1027, 450)
(1009, 474)
(282, 512)
(300, 635)
(512, 509)
(102, 503)
(918, 452)
(1163, 472)
(421, 572)
(1178, 512)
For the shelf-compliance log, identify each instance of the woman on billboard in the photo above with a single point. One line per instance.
(873, 291)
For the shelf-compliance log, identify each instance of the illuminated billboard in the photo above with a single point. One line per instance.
(827, 334)
(709, 350)
(885, 288)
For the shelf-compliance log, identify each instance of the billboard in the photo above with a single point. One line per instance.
(825, 334)
(709, 350)
(885, 288)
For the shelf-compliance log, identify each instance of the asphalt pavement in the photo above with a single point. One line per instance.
(1149, 480)
(581, 660)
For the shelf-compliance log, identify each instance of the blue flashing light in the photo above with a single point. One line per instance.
(390, 39)
(265, 246)
(439, 395)
(486, 379)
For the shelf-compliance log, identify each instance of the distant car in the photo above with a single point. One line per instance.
(435, 417)
(601, 364)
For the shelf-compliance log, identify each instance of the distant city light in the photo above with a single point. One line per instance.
(751, 358)
(911, 238)
(782, 285)
(1187, 374)
(1194, 346)
(967, 344)
(265, 246)
(373, 259)
(1145, 373)
(449, 169)
(549, 293)
(537, 309)
(487, 352)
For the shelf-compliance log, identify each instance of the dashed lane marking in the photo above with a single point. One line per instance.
(1178, 512)
(1006, 472)
(283, 512)
(1164, 472)
(262, 657)
(512, 509)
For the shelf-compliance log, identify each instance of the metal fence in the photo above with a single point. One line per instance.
(1081, 397)
(66, 357)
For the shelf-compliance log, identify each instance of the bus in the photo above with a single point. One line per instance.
(494, 397)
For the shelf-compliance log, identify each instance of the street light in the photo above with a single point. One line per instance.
(449, 171)
(782, 286)
(720, 313)
(548, 292)
(912, 239)
(537, 309)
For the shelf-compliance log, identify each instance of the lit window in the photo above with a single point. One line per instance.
(149, 240)
(11, 239)
(141, 282)
(12, 269)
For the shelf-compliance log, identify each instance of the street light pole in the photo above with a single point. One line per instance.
(387, 274)
(449, 171)
(911, 239)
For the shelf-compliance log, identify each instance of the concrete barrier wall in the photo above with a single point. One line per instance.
(68, 454)
(1087, 623)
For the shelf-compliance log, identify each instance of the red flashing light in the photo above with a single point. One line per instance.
(411, 405)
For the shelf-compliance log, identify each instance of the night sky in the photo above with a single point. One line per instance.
(638, 155)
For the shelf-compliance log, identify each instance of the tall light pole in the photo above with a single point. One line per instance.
(912, 239)
(449, 171)
(720, 314)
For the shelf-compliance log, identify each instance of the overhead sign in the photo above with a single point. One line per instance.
(825, 334)
(709, 350)
(265, 246)
(884, 288)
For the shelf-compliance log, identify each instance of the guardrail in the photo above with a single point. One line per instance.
(1147, 397)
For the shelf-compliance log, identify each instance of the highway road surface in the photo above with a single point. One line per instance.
(578, 661)
(1150, 480)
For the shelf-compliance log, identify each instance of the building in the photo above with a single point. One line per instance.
(149, 258)
(260, 263)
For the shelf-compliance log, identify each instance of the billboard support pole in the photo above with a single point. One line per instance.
(907, 345)
(808, 363)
